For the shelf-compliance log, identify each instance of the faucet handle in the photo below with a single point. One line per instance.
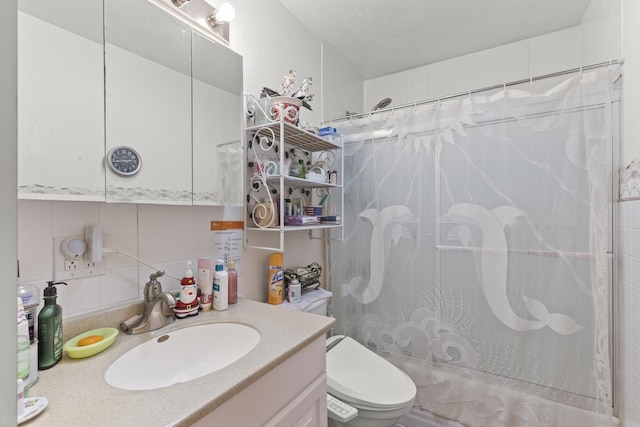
(154, 276)
(153, 288)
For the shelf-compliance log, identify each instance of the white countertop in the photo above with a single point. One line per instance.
(78, 395)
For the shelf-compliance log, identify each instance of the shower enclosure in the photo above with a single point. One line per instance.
(478, 249)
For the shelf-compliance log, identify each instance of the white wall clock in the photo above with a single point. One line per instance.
(124, 160)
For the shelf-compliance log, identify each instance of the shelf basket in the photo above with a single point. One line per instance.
(307, 276)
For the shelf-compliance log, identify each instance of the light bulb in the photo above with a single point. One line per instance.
(226, 13)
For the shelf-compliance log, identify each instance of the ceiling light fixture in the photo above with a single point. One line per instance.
(207, 16)
(226, 13)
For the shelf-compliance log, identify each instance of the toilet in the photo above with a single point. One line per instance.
(357, 376)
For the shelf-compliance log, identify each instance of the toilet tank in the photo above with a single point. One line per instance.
(313, 301)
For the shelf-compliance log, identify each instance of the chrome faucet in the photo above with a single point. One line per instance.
(157, 304)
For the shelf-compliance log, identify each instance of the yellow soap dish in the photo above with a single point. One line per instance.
(78, 352)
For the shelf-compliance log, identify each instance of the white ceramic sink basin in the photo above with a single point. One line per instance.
(181, 355)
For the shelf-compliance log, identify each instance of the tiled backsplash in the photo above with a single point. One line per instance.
(161, 235)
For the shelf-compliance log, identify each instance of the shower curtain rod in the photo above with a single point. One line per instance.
(484, 89)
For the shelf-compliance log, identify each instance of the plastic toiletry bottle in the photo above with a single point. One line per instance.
(23, 343)
(295, 291)
(303, 168)
(276, 278)
(220, 287)
(206, 268)
(50, 328)
(30, 296)
(233, 281)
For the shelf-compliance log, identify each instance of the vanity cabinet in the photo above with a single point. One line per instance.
(97, 75)
(277, 193)
(301, 398)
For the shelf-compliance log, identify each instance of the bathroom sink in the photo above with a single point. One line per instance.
(181, 355)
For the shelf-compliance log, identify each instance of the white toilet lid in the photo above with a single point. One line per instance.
(357, 375)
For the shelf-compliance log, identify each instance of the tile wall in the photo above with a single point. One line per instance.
(163, 236)
(629, 316)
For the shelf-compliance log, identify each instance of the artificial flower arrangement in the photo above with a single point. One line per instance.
(289, 88)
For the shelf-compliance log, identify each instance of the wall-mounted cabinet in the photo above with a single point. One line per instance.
(148, 101)
(293, 181)
(217, 132)
(101, 74)
(60, 100)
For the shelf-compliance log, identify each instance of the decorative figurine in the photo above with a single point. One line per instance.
(187, 303)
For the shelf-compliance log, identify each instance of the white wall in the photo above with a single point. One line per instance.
(343, 88)
(272, 42)
(520, 60)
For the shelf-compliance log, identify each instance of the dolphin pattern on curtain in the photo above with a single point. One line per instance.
(493, 261)
(391, 215)
(493, 267)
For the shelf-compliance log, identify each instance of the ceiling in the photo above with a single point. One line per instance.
(379, 37)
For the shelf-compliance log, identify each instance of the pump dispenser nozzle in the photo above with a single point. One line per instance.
(50, 290)
(189, 272)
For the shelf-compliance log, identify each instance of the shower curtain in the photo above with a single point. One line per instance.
(477, 252)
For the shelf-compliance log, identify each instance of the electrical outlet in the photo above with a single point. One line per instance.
(65, 268)
(71, 264)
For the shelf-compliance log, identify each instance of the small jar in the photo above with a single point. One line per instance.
(295, 291)
(295, 170)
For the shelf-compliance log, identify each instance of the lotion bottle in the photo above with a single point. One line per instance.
(233, 281)
(50, 328)
(220, 287)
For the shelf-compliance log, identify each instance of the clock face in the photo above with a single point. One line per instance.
(124, 161)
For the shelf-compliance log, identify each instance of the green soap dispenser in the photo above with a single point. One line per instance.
(50, 328)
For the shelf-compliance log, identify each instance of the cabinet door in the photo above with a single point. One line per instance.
(60, 100)
(148, 101)
(307, 409)
(217, 105)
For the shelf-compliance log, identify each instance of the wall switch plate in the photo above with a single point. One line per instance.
(65, 268)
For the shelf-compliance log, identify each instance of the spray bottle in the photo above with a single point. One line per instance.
(276, 278)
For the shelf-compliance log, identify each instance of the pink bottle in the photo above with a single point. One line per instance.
(233, 281)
